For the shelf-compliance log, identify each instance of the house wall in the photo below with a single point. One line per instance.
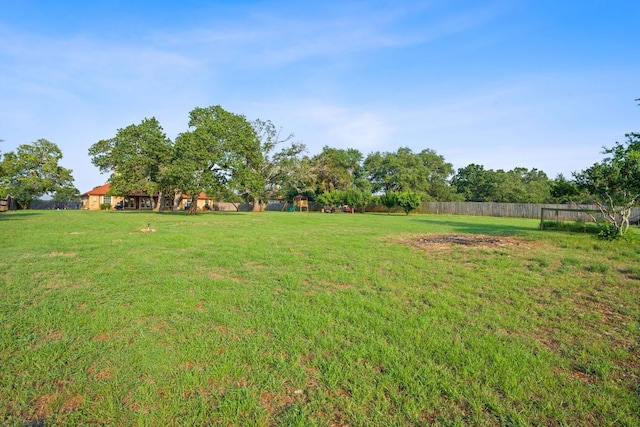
(93, 202)
(201, 203)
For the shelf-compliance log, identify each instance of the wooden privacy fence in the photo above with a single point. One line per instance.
(511, 210)
(8, 204)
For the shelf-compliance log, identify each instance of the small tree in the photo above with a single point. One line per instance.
(408, 200)
(614, 184)
(330, 198)
(389, 200)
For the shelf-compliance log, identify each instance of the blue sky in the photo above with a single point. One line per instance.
(532, 83)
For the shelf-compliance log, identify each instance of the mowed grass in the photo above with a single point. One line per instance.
(313, 319)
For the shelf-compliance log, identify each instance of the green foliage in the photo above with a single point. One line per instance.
(408, 200)
(260, 172)
(425, 173)
(330, 198)
(565, 191)
(336, 169)
(519, 185)
(208, 157)
(354, 198)
(105, 206)
(66, 194)
(615, 184)
(138, 158)
(33, 171)
(609, 232)
(578, 226)
(389, 200)
(308, 193)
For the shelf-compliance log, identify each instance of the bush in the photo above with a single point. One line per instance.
(105, 206)
(389, 201)
(408, 201)
(578, 226)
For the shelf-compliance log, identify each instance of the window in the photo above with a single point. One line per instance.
(106, 199)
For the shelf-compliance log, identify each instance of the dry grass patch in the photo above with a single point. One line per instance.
(61, 254)
(103, 336)
(431, 242)
(225, 277)
(73, 403)
(41, 408)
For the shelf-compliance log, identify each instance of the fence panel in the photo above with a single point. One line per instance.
(511, 210)
(54, 204)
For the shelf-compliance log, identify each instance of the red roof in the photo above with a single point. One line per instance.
(98, 191)
(103, 189)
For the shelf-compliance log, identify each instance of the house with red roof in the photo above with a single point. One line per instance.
(100, 197)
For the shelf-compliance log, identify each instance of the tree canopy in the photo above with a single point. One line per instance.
(614, 183)
(262, 171)
(519, 185)
(138, 158)
(33, 170)
(425, 173)
(229, 157)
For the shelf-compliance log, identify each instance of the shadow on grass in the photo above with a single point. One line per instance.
(475, 228)
(17, 215)
(176, 213)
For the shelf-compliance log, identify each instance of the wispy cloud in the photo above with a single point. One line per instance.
(372, 75)
(264, 39)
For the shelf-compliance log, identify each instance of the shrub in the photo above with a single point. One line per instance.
(408, 201)
(389, 200)
(105, 206)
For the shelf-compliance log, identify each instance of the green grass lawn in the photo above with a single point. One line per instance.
(313, 319)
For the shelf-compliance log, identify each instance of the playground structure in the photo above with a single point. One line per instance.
(301, 203)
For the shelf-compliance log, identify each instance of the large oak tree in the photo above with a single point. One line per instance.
(207, 157)
(425, 173)
(33, 170)
(138, 158)
(265, 163)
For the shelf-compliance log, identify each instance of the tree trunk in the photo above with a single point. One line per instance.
(193, 209)
(256, 205)
(177, 196)
(160, 205)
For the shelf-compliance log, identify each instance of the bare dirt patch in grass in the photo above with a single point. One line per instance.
(445, 241)
(103, 374)
(41, 408)
(103, 336)
(72, 404)
(276, 403)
